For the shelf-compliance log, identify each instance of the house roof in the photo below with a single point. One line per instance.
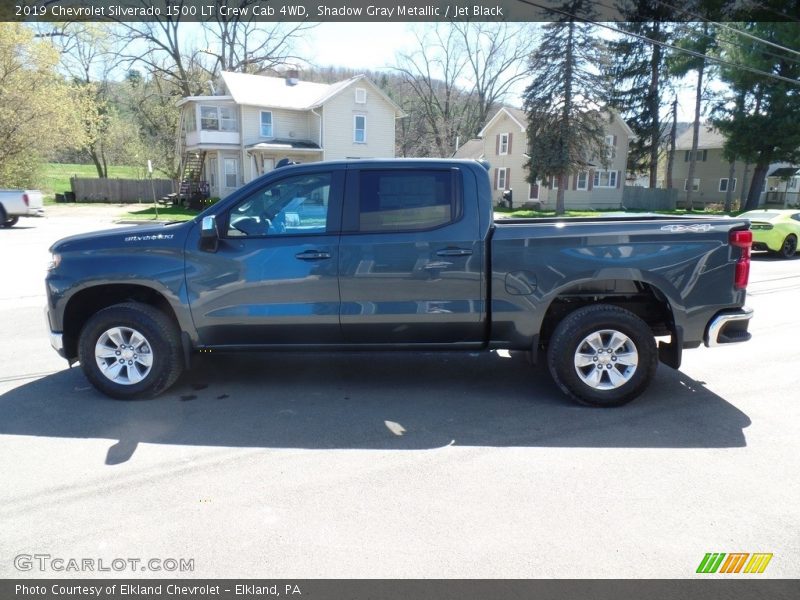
(471, 149)
(273, 92)
(515, 114)
(520, 118)
(784, 172)
(708, 138)
(285, 144)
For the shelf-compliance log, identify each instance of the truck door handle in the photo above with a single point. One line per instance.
(313, 255)
(454, 252)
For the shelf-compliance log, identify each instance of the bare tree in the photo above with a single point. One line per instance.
(244, 45)
(433, 73)
(497, 55)
(166, 52)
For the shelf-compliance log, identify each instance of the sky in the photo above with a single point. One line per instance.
(373, 46)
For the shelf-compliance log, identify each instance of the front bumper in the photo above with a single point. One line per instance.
(728, 327)
(56, 337)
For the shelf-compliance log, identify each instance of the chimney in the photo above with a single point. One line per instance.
(292, 76)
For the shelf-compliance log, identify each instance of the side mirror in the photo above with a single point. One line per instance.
(209, 234)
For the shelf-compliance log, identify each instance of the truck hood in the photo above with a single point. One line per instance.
(137, 236)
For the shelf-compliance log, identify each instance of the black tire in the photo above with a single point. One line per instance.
(10, 222)
(162, 342)
(789, 246)
(618, 379)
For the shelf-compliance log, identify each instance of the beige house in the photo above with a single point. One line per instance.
(253, 122)
(712, 173)
(503, 143)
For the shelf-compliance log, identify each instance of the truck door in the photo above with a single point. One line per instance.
(410, 260)
(273, 278)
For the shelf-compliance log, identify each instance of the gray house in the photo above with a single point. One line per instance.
(712, 173)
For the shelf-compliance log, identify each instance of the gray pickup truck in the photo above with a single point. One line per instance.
(397, 254)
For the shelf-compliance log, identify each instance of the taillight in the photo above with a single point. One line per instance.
(26, 200)
(743, 240)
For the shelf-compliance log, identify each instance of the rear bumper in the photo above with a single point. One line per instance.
(728, 327)
(35, 212)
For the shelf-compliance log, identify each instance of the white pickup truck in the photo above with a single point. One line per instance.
(19, 203)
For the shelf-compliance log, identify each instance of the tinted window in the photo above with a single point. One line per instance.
(296, 205)
(760, 215)
(406, 200)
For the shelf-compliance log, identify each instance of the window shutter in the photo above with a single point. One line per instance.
(575, 182)
(614, 147)
(508, 169)
(686, 156)
(497, 145)
(619, 181)
(705, 155)
(509, 142)
(590, 180)
(496, 175)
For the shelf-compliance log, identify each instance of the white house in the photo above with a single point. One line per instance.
(253, 122)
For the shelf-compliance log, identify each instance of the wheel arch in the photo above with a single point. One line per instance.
(88, 301)
(644, 299)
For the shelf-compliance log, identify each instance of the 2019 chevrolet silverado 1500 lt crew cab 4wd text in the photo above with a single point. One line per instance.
(397, 254)
(19, 203)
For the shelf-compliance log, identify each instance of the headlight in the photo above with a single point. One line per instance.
(55, 260)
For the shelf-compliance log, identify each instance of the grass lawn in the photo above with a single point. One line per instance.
(165, 213)
(54, 178)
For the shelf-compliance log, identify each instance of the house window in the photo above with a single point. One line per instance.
(533, 191)
(583, 181)
(266, 124)
(360, 129)
(218, 118)
(231, 172)
(723, 184)
(361, 96)
(502, 179)
(700, 155)
(605, 179)
(695, 185)
(611, 147)
(503, 147)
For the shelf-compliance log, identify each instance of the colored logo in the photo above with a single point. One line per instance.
(734, 562)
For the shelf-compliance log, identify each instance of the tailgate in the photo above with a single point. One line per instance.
(35, 199)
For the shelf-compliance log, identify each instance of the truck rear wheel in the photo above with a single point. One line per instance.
(130, 351)
(602, 355)
(5, 220)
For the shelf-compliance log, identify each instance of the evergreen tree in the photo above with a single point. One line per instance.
(565, 121)
(640, 82)
(760, 119)
(698, 38)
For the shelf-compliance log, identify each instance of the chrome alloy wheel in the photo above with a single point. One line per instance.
(123, 355)
(606, 359)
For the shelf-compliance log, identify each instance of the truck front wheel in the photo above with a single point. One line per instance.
(602, 355)
(130, 350)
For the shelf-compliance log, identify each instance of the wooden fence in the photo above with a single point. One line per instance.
(640, 198)
(94, 189)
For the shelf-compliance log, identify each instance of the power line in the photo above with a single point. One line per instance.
(665, 45)
(733, 29)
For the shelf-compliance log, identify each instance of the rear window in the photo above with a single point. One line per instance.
(407, 200)
(760, 216)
